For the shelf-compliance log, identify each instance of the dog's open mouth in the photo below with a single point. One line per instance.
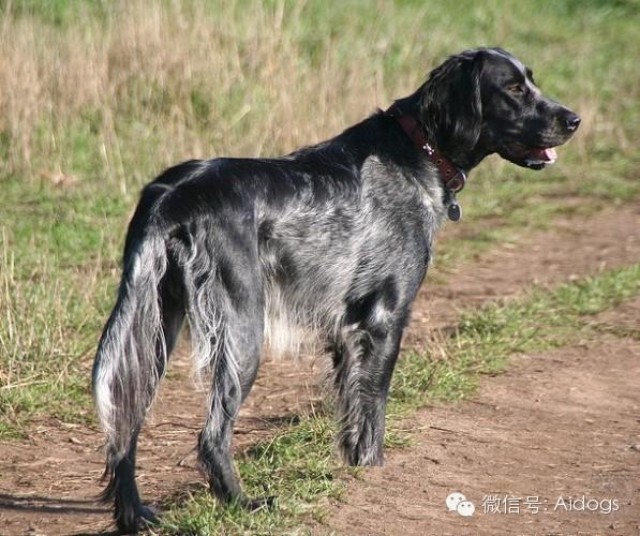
(547, 156)
(530, 157)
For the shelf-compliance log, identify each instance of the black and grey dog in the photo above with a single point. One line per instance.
(334, 238)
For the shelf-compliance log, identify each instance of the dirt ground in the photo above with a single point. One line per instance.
(536, 449)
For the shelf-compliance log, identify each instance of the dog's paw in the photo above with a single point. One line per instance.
(147, 516)
(137, 520)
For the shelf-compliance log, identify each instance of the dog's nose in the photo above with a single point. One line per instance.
(572, 121)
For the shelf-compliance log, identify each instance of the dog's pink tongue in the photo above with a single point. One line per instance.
(547, 155)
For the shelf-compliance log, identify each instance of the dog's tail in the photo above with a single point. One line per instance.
(132, 352)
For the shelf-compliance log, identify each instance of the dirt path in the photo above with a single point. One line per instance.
(560, 423)
(556, 428)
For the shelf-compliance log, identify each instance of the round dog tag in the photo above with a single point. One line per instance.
(455, 212)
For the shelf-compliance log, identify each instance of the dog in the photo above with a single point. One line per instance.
(335, 238)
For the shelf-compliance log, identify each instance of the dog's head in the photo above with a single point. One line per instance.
(485, 101)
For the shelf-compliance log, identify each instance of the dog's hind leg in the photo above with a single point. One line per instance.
(228, 324)
(233, 376)
(364, 357)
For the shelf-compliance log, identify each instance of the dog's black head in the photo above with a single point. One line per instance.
(485, 101)
(519, 123)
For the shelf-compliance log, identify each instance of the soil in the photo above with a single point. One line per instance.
(535, 449)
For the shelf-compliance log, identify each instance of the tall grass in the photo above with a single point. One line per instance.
(97, 96)
(118, 96)
(114, 91)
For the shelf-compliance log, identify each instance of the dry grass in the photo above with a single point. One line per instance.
(121, 89)
(97, 96)
(182, 78)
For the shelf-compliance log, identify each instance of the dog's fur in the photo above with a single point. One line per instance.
(335, 238)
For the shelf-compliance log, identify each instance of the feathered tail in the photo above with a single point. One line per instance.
(132, 352)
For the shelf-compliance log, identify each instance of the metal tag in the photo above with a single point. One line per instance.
(454, 212)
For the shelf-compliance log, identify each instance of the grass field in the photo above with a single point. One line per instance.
(97, 97)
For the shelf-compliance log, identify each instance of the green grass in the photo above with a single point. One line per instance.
(54, 300)
(486, 339)
(299, 464)
(97, 101)
(97, 97)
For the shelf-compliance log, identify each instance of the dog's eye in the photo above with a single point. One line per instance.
(516, 89)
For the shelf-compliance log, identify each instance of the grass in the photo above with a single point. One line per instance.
(299, 465)
(54, 298)
(486, 339)
(97, 97)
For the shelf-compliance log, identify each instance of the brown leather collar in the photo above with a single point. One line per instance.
(453, 178)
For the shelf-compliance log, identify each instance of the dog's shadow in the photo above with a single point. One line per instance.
(46, 505)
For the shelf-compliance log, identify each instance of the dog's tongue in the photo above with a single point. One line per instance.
(545, 155)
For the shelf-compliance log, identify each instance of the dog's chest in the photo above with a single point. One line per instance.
(410, 202)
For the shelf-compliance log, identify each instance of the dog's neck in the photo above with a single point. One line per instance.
(452, 177)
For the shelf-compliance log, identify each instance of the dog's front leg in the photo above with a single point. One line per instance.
(363, 360)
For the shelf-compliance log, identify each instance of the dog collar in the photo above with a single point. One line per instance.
(453, 178)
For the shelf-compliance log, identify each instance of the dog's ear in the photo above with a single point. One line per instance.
(451, 104)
